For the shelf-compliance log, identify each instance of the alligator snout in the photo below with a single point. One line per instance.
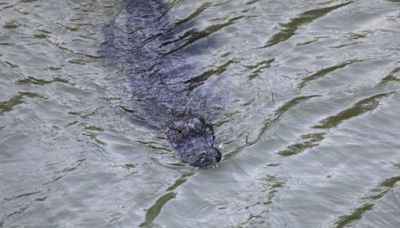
(194, 141)
(206, 158)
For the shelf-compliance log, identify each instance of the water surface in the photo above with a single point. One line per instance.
(309, 129)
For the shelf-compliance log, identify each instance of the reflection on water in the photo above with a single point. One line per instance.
(309, 129)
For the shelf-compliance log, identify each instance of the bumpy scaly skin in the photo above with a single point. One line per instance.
(194, 141)
(140, 43)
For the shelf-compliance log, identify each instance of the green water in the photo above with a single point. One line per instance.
(310, 129)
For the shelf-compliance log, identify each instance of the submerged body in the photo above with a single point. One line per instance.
(146, 43)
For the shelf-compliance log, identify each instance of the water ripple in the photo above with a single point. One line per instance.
(155, 209)
(195, 14)
(287, 30)
(391, 77)
(192, 36)
(270, 121)
(37, 81)
(361, 107)
(7, 106)
(312, 140)
(357, 214)
(308, 123)
(322, 72)
(200, 79)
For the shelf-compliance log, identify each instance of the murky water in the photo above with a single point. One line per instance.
(310, 130)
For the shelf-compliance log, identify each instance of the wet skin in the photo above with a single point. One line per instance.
(194, 141)
(158, 75)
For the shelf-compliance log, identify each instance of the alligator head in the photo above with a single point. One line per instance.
(194, 141)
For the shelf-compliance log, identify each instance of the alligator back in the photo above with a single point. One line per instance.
(147, 44)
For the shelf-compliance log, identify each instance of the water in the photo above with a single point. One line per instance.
(309, 132)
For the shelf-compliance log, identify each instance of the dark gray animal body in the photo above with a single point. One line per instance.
(145, 42)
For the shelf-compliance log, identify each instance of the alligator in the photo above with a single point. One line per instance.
(155, 53)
